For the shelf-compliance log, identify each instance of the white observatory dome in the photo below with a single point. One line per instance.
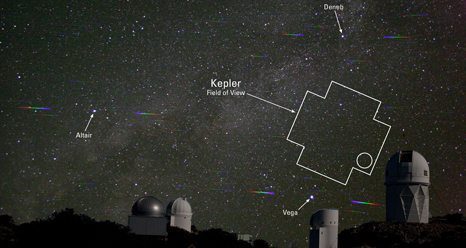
(180, 207)
(407, 167)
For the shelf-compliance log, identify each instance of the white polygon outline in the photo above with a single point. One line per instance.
(374, 119)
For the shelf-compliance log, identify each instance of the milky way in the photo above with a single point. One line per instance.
(121, 60)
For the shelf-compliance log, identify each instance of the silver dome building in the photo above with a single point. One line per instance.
(148, 217)
(148, 206)
(407, 181)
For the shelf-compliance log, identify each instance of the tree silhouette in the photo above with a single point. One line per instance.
(7, 231)
(68, 229)
(259, 243)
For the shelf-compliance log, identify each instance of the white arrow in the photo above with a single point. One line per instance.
(341, 30)
(274, 104)
(304, 204)
(89, 122)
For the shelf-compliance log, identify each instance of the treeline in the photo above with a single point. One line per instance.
(68, 229)
(447, 231)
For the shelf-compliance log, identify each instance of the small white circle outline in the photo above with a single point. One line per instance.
(364, 167)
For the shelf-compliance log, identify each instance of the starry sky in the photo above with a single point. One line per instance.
(120, 58)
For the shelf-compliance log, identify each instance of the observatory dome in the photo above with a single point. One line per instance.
(407, 167)
(180, 207)
(324, 217)
(148, 206)
(168, 212)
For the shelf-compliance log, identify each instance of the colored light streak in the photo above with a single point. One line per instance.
(294, 35)
(33, 108)
(366, 203)
(416, 15)
(354, 211)
(259, 56)
(146, 113)
(353, 61)
(224, 190)
(313, 26)
(46, 115)
(262, 192)
(388, 107)
(396, 37)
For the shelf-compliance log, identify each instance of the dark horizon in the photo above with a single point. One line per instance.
(61, 227)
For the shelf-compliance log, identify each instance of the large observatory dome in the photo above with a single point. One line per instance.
(179, 207)
(148, 206)
(407, 167)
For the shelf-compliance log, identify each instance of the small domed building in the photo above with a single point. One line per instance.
(148, 216)
(180, 214)
(407, 181)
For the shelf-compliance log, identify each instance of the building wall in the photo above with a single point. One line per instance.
(407, 203)
(181, 221)
(314, 238)
(324, 237)
(145, 225)
(324, 229)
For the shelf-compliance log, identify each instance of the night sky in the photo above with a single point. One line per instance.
(122, 59)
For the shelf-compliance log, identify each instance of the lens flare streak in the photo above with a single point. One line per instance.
(354, 211)
(33, 108)
(416, 15)
(262, 192)
(146, 113)
(366, 203)
(259, 56)
(396, 37)
(294, 35)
